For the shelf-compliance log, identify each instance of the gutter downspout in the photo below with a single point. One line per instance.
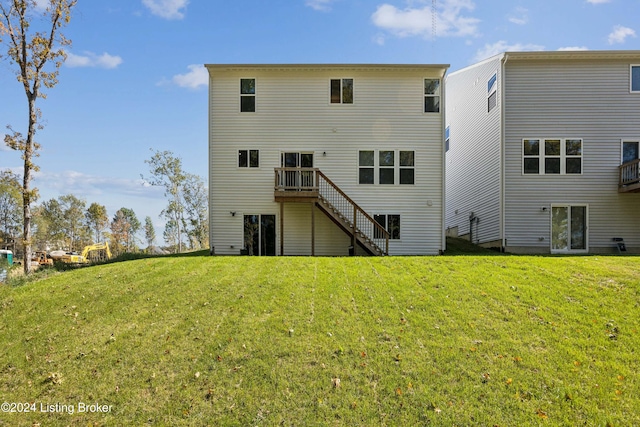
(443, 198)
(503, 97)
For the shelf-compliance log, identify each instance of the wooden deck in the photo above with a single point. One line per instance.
(310, 185)
(629, 177)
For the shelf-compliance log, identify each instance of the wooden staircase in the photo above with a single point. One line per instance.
(310, 184)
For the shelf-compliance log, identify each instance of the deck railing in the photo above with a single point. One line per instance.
(362, 225)
(629, 172)
(296, 179)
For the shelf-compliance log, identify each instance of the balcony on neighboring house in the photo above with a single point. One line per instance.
(629, 177)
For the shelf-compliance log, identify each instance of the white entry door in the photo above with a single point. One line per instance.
(569, 228)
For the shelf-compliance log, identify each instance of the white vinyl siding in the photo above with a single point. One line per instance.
(544, 97)
(473, 161)
(293, 115)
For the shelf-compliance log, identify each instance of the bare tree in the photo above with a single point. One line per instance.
(37, 55)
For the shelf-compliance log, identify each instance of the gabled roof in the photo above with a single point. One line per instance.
(559, 55)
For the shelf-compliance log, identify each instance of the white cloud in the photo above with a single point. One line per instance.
(412, 21)
(520, 16)
(490, 50)
(572, 48)
(322, 5)
(168, 9)
(598, 1)
(196, 77)
(42, 4)
(85, 185)
(620, 34)
(90, 59)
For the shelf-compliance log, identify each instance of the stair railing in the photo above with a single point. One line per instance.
(363, 226)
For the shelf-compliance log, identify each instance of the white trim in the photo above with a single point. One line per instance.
(396, 167)
(248, 167)
(491, 91)
(628, 140)
(353, 88)
(439, 95)
(586, 228)
(541, 156)
(631, 66)
(240, 95)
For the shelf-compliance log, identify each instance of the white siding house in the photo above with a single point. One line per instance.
(326, 159)
(536, 147)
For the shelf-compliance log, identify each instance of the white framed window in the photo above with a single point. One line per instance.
(248, 158)
(386, 167)
(431, 95)
(248, 95)
(391, 223)
(552, 156)
(341, 91)
(492, 92)
(634, 78)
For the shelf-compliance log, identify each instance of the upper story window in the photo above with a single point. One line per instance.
(492, 93)
(552, 156)
(635, 78)
(431, 95)
(247, 95)
(392, 167)
(447, 131)
(342, 91)
(248, 159)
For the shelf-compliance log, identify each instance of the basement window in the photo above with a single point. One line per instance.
(391, 223)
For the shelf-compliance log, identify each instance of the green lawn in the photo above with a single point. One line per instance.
(480, 339)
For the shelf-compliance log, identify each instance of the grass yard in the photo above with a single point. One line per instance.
(480, 339)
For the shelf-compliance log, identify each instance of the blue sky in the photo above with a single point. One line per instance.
(134, 77)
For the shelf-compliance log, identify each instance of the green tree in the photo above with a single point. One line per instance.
(37, 52)
(149, 231)
(123, 228)
(97, 220)
(49, 230)
(134, 227)
(10, 204)
(73, 221)
(166, 171)
(196, 205)
(120, 229)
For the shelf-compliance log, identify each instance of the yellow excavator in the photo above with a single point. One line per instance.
(91, 253)
(96, 253)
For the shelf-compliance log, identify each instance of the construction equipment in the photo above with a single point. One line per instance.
(40, 258)
(96, 253)
(67, 257)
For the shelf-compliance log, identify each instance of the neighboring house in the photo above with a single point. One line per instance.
(535, 143)
(326, 159)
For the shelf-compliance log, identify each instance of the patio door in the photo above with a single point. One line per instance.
(569, 228)
(298, 160)
(260, 235)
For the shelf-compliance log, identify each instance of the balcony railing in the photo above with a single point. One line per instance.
(311, 180)
(629, 173)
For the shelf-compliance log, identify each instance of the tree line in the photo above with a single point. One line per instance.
(69, 223)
